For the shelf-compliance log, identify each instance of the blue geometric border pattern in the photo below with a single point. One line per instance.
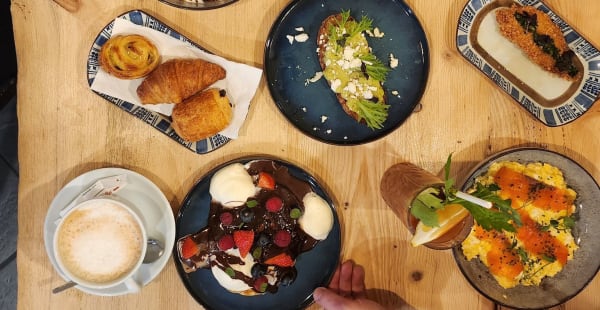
(160, 122)
(562, 114)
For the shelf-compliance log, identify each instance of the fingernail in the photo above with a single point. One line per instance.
(318, 293)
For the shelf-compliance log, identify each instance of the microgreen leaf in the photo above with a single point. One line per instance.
(251, 203)
(374, 67)
(373, 113)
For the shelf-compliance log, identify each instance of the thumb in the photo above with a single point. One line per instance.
(328, 299)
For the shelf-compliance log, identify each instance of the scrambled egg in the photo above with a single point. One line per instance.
(543, 244)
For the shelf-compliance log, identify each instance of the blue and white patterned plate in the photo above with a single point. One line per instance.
(160, 122)
(548, 98)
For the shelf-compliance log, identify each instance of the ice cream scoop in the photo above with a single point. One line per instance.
(317, 219)
(232, 185)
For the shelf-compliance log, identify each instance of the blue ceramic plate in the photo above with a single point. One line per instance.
(578, 272)
(160, 122)
(288, 66)
(315, 267)
(550, 99)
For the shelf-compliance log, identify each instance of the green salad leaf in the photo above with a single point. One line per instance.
(501, 217)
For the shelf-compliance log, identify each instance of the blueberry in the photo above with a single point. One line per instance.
(258, 271)
(246, 215)
(288, 277)
(263, 240)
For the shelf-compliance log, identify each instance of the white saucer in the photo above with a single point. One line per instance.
(153, 207)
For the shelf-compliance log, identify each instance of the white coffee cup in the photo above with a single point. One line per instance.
(101, 243)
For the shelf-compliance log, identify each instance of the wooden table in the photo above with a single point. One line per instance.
(66, 130)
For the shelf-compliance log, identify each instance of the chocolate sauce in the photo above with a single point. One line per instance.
(265, 224)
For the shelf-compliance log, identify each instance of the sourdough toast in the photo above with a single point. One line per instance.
(345, 61)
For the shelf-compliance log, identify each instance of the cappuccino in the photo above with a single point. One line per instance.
(100, 242)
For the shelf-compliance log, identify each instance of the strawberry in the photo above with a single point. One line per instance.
(243, 240)
(281, 260)
(274, 204)
(189, 248)
(225, 243)
(266, 180)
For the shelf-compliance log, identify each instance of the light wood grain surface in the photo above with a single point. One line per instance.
(66, 130)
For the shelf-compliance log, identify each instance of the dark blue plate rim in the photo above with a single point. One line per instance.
(313, 130)
(327, 263)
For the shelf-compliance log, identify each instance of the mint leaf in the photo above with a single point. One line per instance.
(425, 205)
(448, 182)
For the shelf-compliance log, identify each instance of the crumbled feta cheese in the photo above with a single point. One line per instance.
(350, 87)
(290, 38)
(395, 92)
(378, 33)
(323, 118)
(304, 109)
(348, 53)
(316, 77)
(328, 131)
(335, 84)
(303, 37)
(367, 94)
(300, 29)
(345, 137)
(393, 61)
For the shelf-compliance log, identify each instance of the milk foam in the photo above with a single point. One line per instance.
(100, 242)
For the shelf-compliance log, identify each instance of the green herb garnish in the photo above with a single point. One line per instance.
(251, 203)
(503, 217)
(295, 213)
(374, 67)
(373, 113)
(230, 272)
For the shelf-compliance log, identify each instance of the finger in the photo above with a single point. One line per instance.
(328, 299)
(346, 278)
(334, 285)
(358, 282)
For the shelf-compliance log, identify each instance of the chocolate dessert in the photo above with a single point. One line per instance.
(261, 218)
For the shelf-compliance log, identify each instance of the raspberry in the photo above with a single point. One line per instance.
(274, 204)
(225, 243)
(282, 238)
(226, 218)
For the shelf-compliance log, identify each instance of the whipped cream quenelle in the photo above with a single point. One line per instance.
(317, 219)
(232, 185)
(261, 218)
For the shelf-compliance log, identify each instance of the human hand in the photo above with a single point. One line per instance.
(346, 290)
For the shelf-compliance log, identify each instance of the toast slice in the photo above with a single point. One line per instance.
(344, 66)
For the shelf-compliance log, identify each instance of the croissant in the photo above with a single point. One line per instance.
(177, 79)
(202, 115)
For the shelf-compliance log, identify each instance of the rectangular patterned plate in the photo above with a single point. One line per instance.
(160, 122)
(552, 100)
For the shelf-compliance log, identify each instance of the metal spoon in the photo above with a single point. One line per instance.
(154, 251)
